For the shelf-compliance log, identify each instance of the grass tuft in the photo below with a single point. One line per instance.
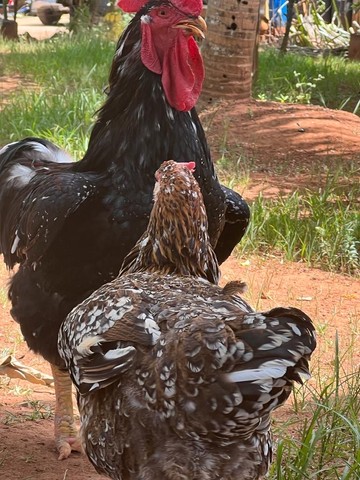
(325, 445)
(321, 228)
(330, 81)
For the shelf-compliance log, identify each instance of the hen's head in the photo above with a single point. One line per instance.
(168, 47)
(178, 226)
(178, 195)
(176, 240)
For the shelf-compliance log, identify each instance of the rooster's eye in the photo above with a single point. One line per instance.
(162, 13)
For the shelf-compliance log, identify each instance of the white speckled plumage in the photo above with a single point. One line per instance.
(177, 376)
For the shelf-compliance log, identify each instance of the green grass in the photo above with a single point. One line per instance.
(47, 115)
(321, 227)
(63, 83)
(325, 444)
(330, 81)
(72, 61)
(36, 411)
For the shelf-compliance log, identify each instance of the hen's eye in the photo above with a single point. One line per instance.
(162, 13)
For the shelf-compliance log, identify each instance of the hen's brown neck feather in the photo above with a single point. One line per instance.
(177, 239)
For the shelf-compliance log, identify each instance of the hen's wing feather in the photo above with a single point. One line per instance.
(100, 358)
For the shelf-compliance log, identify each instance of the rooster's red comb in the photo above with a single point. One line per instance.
(192, 7)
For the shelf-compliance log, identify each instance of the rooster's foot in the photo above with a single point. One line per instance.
(66, 435)
(66, 445)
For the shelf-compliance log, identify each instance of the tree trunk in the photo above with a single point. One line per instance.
(290, 16)
(9, 30)
(230, 49)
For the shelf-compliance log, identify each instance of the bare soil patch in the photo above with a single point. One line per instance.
(284, 146)
(11, 85)
(7, 86)
(280, 157)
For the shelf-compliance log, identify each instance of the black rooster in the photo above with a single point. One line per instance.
(70, 225)
(177, 377)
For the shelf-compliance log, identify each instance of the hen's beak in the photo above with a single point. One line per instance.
(196, 26)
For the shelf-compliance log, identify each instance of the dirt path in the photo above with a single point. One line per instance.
(281, 147)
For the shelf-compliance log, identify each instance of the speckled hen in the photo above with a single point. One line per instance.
(70, 224)
(177, 377)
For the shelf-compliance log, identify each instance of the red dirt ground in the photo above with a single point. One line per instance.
(284, 147)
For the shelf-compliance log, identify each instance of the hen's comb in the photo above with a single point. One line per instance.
(190, 165)
(192, 7)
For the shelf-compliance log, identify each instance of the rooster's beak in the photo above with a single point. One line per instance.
(196, 27)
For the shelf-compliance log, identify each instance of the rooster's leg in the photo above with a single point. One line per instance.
(66, 435)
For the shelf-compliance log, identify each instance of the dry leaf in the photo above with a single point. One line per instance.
(14, 369)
